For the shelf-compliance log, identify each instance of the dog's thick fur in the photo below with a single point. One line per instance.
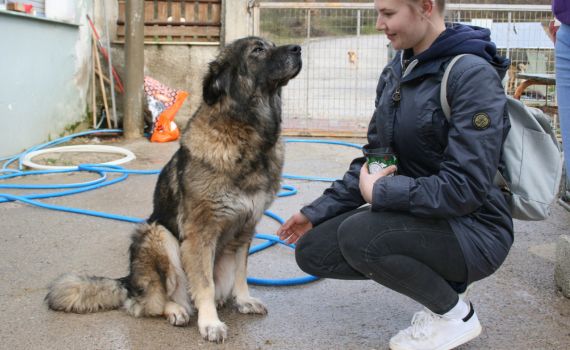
(207, 201)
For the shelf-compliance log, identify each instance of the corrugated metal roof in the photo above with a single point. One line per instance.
(516, 35)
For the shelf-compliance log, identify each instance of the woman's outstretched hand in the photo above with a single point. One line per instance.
(294, 228)
(367, 180)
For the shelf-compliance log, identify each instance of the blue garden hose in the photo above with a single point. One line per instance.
(101, 181)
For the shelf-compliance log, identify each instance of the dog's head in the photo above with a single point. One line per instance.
(250, 66)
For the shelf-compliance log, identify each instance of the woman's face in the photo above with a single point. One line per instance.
(404, 26)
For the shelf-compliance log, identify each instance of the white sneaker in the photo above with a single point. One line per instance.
(430, 331)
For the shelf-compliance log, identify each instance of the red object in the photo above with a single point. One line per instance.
(17, 7)
(553, 28)
(164, 129)
(105, 54)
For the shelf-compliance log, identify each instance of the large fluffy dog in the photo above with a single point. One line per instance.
(207, 202)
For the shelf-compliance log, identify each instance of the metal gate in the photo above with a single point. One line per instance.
(343, 56)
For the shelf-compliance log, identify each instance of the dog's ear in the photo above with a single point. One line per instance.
(216, 83)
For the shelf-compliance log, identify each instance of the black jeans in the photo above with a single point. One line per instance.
(418, 257)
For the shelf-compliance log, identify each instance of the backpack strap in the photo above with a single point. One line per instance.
(443, 89)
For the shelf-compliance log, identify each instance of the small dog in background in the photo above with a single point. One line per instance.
(352, 57)
(209, 197)
(516, 67)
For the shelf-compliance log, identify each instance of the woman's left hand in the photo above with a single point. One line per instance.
(367, 180)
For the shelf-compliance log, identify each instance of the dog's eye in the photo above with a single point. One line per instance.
(258, 49)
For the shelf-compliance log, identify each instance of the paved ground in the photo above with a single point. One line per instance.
(519, 306)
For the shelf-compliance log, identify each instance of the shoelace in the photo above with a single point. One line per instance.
(421, 324)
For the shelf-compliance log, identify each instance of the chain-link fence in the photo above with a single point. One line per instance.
(343, 56)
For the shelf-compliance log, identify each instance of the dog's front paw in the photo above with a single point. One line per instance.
(251, 305)
(214, 331)
(176, 314)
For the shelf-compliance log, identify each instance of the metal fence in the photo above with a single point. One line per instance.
(343, 56)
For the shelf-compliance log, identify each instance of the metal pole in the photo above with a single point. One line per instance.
(110, 64)
(509, 27)
(307, 65)
(134, 63)
(256, 20)
(356, 71)
(509, 30)
(358, 24)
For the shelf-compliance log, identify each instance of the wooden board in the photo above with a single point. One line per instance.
(176, 20)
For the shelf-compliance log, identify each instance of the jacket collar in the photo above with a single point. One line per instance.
(411, 70)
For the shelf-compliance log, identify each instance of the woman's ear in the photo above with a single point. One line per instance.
(427, 7)
(216, 83)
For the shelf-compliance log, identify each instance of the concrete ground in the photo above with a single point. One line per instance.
(519, 306)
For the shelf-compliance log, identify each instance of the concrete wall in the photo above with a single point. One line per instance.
(178, 66)
(236, 20)
(181, 67)
(44, 80)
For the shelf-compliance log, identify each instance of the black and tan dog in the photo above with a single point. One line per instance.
(209, 197)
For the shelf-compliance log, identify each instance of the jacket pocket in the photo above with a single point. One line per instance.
(433, 129)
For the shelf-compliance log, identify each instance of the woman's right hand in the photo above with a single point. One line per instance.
(294, 228)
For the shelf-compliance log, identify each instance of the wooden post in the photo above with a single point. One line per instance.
(133, 123)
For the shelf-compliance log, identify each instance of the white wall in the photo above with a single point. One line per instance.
(44, 78)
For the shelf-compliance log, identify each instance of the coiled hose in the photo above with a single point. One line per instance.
(24, 159)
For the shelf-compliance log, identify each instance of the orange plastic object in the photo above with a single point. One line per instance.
(165, 129)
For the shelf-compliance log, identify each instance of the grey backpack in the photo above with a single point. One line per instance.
(531, 157)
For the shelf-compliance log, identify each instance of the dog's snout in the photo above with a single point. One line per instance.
(295, 49)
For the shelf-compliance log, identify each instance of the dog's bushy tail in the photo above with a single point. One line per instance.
(83, 294)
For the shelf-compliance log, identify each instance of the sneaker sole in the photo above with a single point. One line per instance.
(451, 344)
(461, 340)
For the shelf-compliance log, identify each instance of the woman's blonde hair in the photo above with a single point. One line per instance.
(440, 4)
